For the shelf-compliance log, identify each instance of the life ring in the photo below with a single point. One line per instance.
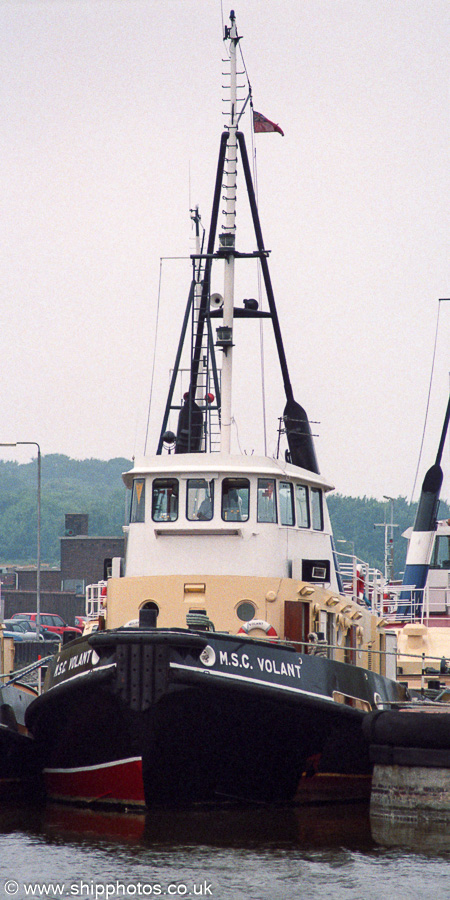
(360, 582)
(258, 623)
(103, 597)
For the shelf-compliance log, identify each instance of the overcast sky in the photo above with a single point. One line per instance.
(111, 119)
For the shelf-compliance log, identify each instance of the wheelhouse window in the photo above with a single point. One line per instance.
(199, 499)
(441, 552)
(165, 500)
(287, 516)
(317, 509)
(267, 500)
(302, 505)
(137, 513)
(235, 499)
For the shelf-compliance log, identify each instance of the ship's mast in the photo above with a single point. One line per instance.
(228, 238)
(193, 414)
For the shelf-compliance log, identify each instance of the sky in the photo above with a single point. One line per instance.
(110, 128)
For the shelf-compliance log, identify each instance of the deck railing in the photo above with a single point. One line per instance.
(363, 583)
(95, 598)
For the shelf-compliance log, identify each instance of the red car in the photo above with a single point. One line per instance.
(53, 622)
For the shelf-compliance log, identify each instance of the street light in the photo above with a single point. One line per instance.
(388, 540)
(346, 541)
(38, 559)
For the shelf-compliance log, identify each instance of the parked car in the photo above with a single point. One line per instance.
(17, 630)
(80, 621)
(45, 633)
(53, 622)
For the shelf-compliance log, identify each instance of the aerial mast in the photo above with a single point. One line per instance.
(228, 239)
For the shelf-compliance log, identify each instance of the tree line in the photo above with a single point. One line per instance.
(95, 487)
(89, 486)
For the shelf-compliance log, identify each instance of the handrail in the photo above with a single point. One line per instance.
(95, 596)
(364, 583)
(21, 672)
(317, 650)
(416, 704)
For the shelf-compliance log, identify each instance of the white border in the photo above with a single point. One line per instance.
(79, 675)
(281, 687)
(108, 765)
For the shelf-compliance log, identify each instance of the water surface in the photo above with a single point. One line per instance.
(282, 853)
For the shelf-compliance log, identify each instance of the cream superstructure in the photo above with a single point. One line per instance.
(244, 573)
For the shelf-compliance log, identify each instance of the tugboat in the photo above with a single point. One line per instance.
(19, 763)
(421, 615)
(410, 744)
(228, 664)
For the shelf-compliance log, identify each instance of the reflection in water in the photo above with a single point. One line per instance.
(19, 816)
(260, 853)
(421, 834)
(263, 827)
(308, 826)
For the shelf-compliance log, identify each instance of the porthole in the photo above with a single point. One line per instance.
(246, 611)
(150, 604)
(148, 614)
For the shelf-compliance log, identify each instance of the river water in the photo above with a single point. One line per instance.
(282, 853)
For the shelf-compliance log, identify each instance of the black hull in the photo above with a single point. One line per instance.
(238, 747)
(409, 737)
(208, 718)
(20, 774)
(410, 750)
(20, 769)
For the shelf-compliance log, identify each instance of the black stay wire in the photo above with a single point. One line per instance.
(428, 401)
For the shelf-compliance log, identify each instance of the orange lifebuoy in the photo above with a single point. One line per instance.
(258, 623)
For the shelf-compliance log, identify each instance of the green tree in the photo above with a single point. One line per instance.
(89, 486)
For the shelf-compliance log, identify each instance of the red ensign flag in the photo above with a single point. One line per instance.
(261, 124)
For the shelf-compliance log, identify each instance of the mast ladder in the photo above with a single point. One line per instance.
(204, 385)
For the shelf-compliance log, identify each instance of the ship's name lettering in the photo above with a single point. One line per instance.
(272, 667)
(234, 659)
(67, 664)
(269, 665)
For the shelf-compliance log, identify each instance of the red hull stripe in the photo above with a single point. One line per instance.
(115, 782)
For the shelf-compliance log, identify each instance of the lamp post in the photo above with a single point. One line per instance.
(346, 541)
(38, 558)
(388, 540)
